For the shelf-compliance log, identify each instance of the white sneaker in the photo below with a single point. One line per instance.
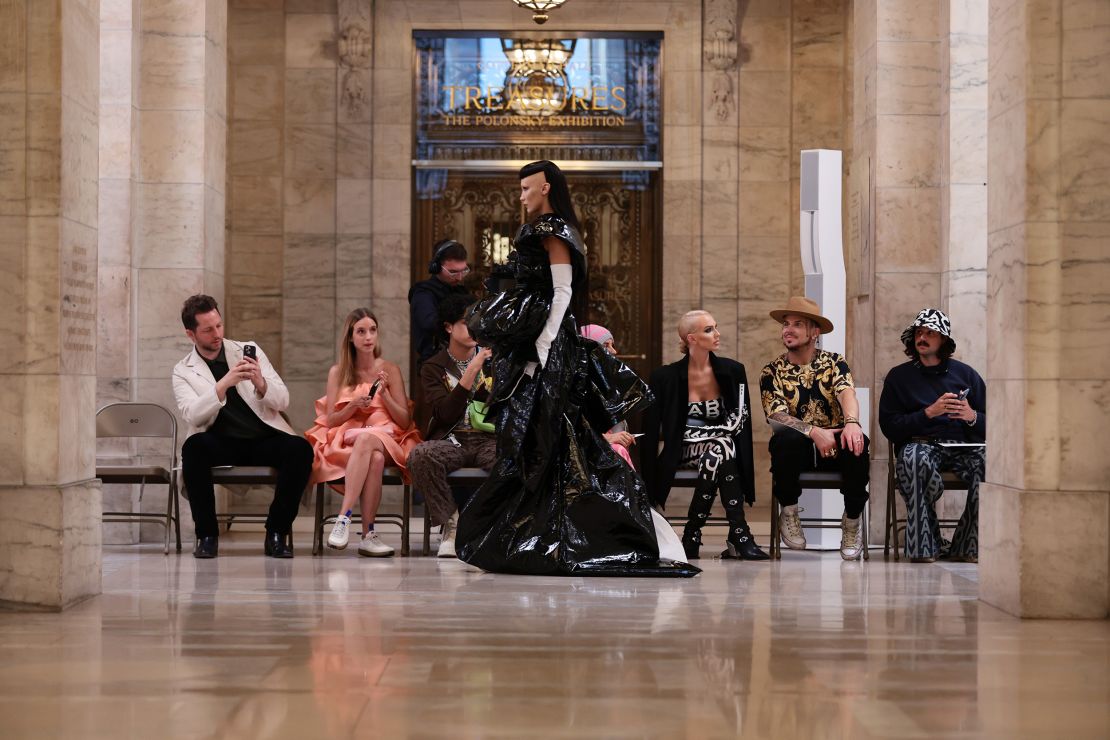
(372, 546)
(447, 542)
(340, 533)
(790, 528)
(851, 538)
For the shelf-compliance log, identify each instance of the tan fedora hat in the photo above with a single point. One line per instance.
(801, 306)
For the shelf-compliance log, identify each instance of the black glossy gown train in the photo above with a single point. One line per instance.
(559, 500)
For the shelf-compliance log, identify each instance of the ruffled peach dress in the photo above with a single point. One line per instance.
(333, 445)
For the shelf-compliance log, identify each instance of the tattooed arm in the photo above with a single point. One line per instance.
(791, 422)
(823, 439)
(775, 407)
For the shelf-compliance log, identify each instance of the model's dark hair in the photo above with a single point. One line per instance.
(559, 195)
(195, 304)
(449, 249)
(453, 307)
(946, 350)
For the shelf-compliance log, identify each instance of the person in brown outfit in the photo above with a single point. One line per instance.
(455, 391)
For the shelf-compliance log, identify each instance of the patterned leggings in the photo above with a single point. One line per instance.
(918, 466)
(715, 461)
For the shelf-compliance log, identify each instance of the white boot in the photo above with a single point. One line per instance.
(447, 541)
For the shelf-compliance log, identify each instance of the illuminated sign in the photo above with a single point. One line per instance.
(493, 86)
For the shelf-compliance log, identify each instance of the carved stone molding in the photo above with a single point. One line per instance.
(355, 48)
(356, 54)
(722, 53)
(723, 98)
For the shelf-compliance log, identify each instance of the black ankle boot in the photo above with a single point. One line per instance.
(206, 547)
(740, 544)
(691, 543)
(277, 545)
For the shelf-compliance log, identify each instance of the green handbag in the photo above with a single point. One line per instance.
(477, 411)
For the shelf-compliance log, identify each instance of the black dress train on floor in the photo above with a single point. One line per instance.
(559, 500)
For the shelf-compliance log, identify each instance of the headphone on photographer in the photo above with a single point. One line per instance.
(434, 266)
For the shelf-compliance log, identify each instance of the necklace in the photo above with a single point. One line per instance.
(461, 364)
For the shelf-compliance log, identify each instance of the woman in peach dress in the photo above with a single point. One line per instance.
(362, 424)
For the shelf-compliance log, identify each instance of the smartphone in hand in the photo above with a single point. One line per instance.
(374, 388)
(249, 350)
(962, 395)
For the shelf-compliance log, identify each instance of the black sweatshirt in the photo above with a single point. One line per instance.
(426, 330)
(911, 386)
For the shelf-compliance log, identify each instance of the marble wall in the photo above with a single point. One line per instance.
(916, 190)
(963, 218)
(1045, 512)
(320, 212)
(785, 94)
(301, 192)
(49, 499)
(163, 95)
(115, 355)
(293, 119)
(179, 175)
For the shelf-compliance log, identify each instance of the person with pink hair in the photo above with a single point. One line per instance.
(618, 437)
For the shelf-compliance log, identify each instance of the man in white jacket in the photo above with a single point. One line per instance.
(231, 399)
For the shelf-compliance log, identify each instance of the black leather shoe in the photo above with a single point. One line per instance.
(206, 547)
(741, 545)
(691, 543)
(278, 545)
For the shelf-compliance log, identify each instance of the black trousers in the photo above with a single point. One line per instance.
(292, 456)
(792, 454)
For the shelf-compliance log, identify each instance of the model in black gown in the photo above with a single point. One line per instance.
(559, 501)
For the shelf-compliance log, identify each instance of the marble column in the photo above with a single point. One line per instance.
(310, 206)
(963, 182)
(354, 83)
(116, 344)
(256, 157)
(1044, 520)
(389, 122)
(49, 499)
(179, 176)
(767, 168)
(720, 156)
(301, 189)
(895, 194)
(963, 242)
(683, 116)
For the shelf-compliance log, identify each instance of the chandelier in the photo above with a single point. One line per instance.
(547, 55)
(536, 83)
(539, 8)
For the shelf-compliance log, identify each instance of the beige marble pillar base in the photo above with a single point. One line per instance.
(1044, 554)
(50, 541)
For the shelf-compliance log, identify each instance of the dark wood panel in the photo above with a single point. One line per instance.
(618, 212)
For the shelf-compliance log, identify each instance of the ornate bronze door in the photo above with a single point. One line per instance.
(618, 215)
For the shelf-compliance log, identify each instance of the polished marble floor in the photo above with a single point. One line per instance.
(341, 646)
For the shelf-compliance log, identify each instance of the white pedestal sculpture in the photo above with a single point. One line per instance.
(823, 261)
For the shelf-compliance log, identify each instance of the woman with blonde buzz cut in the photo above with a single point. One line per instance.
(702, 414)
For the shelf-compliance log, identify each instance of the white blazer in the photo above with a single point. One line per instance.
(194, 387)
